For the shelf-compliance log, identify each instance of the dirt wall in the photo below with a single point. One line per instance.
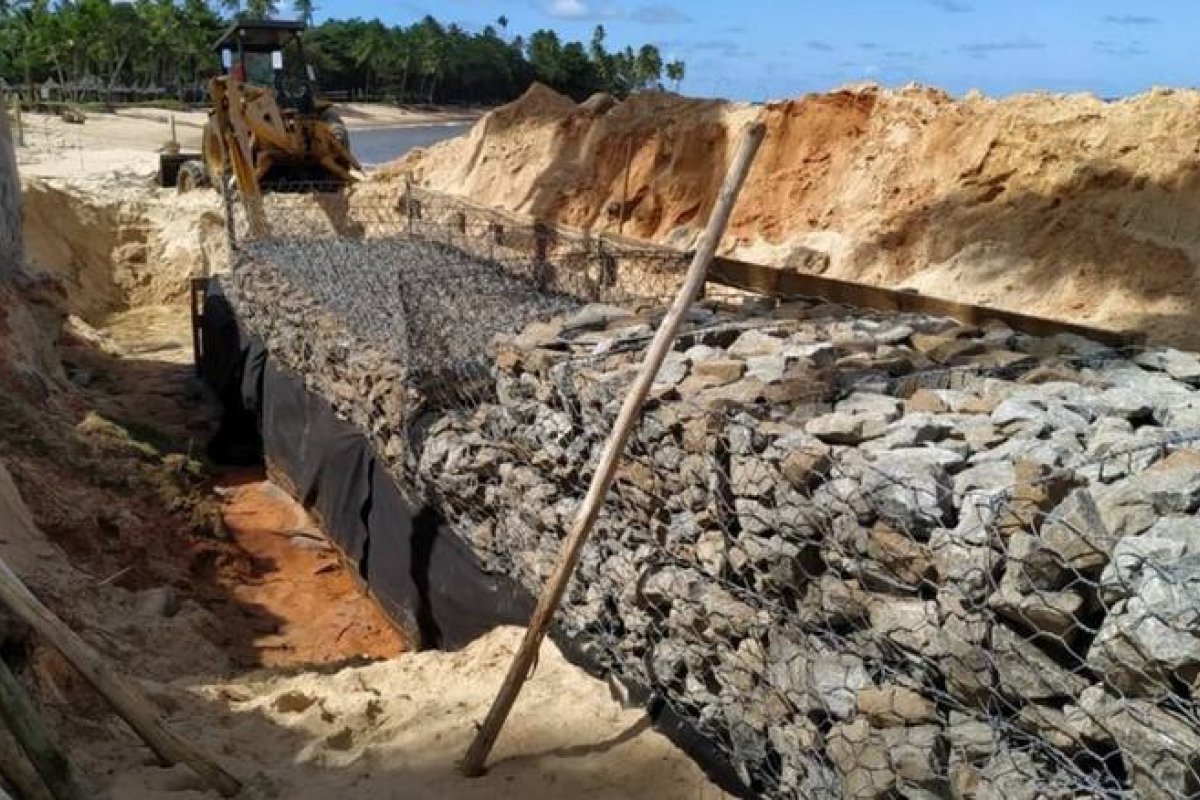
(1065, 206)
(116, 245)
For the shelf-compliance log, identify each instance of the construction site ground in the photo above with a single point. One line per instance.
(213, 588)
(216, 590)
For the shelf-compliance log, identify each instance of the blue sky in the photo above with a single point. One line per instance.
(761, 49)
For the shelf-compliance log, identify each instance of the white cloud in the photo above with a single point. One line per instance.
(659, 15)
(567, 9)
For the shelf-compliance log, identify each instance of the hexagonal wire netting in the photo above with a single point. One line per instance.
(864, 554)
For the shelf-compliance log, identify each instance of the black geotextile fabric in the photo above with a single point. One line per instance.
(423, 576)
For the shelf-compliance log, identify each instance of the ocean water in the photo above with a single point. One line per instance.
(375, 146)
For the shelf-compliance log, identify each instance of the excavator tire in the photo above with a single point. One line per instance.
(337, 127)
(191, 176)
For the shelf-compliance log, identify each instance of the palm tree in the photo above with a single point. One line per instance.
(261, 9)
(372, 52)
(675, 72)
(304, 10)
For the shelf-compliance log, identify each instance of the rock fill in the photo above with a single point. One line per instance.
(866, 555)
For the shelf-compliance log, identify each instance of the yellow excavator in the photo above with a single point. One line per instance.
(268, 127)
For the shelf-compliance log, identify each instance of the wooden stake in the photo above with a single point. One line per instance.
(19, 773)
(127, 701)
(27, 728)
(625, 187)
(568, 557)
(20, 124)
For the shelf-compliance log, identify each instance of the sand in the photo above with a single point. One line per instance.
(128, 142)
(117, 242)
(393, 728)
(217, 594)
(1060, 205)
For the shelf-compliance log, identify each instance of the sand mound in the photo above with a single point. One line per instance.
(116, 244)
(1064, 206)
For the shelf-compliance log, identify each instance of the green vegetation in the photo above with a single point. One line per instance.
(93, 49)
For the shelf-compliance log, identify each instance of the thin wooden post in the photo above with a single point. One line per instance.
(20, 124)
(19, 715)
(120, 693)
(568, 557)
(541, 255)
(625, 187)
(16, 770)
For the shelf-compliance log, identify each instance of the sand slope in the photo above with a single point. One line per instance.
(117, 243)
(1058, 205)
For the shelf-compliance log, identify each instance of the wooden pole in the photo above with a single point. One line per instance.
(20, 124)
(568, 557)
(625, 187)
(127, 701)
(18, 772)
(19, 715)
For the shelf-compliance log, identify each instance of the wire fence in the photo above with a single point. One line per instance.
(866, 555)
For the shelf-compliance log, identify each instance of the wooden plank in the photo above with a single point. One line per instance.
(776, 282)
(782, 283)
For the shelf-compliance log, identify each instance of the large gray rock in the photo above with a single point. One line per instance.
(753, 477)
(1076, 535)
(1028, 673)
(911, 486)
(1160, 749)
(1171, 543)
(834, 680)
(833, 602)
(911, 624)
(1008, 773)
(887, 762)
(756, 343)
(1150, 641)
(965, 559)
(967, 662)
(881, 405)
(1039, 413)
(1178, 364)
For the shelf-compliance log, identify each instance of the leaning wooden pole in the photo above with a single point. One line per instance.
(22, 719)
(127, 701)
(568, 557)
(19, 774)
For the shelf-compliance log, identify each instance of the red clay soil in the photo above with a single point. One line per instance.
(320, 612)
(105, 472)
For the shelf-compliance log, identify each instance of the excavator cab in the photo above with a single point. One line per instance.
(270, 54)
(268, 127)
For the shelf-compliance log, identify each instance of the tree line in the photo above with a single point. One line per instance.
(165, 46)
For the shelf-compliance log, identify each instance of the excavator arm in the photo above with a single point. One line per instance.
(237, 150)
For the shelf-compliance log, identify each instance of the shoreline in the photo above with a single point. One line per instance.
(399, 126)
(129, 140)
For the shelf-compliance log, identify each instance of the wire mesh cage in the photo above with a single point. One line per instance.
(864, 554)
